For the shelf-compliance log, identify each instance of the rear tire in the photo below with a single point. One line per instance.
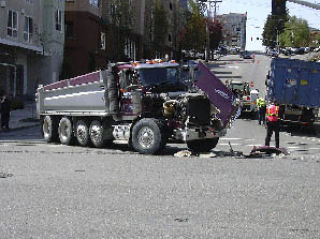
(148, 136)
(50, 129)
(82, 133)
(96, 133)
(204, 145)
(66, 131)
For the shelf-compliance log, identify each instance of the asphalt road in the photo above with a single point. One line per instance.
(55, 191)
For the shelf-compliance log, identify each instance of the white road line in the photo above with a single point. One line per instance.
(231, 138)
(224, 144)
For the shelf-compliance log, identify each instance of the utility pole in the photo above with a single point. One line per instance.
(209, 2)
(215, 8)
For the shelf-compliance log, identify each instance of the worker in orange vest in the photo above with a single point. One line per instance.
(273, 125)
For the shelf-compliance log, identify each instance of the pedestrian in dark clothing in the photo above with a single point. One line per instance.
(273, 124)
(5, 112)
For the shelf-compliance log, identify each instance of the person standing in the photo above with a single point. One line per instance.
(5, 112)
(261, 102)
(273, 124)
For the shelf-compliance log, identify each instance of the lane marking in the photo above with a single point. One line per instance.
(223, 144)
(231, 138)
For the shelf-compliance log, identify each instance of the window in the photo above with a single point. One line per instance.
(103, 41)
(58, 20)
(28, 29)
(94, 3)
(29, 1)
(12, 24)
(170, 6)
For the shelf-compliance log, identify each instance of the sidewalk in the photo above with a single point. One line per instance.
(23, 118)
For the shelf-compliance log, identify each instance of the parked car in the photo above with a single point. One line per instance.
(307, 49)
(245, 55)
(285, 51)
(271, 52)
(317, 49)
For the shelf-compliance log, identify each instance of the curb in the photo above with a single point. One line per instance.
(20, 128)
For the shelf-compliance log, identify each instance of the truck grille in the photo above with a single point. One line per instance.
(199, 111)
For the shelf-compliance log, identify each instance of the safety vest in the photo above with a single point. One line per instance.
(261, 102)
(272, 113)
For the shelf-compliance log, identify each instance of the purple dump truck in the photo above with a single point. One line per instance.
(145, 104)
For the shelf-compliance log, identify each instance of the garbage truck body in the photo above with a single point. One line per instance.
(295, 85)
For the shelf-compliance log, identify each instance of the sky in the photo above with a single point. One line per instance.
(257, 12)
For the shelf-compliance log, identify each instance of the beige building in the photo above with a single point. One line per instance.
(23, 47)
(234, 30)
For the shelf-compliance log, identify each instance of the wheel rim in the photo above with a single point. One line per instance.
(146, 137)
(96, 133)
(82, 133)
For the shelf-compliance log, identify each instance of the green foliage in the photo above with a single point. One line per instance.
(161, 26)
(296, 33)
(194, 37)
(273, 25)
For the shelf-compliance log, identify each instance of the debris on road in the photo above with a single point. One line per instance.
(207, 155)
(183, 154)
(266, 150)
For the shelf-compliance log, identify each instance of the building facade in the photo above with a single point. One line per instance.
(53, 36)
(172, 10)
(20, 44)
(85, 38)
(234, 29)
(26, 44)
(125, 28)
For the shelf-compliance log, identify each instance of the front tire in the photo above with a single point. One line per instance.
(148, 137)
(65, 131)
(204, 145)
(50, 129)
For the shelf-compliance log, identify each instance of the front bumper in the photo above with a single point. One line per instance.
(197, 133)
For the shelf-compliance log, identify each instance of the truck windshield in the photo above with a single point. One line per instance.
(159, 76)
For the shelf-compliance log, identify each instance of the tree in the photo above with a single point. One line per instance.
(194, 34)
(119, 29)
(296, 33)
(179, 21)
(215, 29)
(272, 28)
(161, 26)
